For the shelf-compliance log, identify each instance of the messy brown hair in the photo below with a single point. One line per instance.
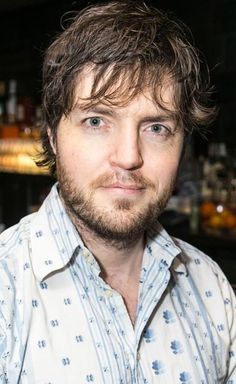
(131, 46)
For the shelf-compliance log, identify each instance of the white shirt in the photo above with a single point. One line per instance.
(61, 323)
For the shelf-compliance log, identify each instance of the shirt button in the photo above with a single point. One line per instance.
(138, 356)
(86, 254)
(108, 293)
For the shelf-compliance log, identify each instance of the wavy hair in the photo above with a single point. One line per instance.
(131, 46)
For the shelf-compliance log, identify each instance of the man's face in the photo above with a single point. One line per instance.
(117, 165)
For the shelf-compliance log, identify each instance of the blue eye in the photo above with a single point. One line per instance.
(95, 121)
(157, 128)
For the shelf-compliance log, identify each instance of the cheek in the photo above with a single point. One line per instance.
(162, 167)
(80, 164)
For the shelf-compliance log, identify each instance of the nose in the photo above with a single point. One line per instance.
(126, 151)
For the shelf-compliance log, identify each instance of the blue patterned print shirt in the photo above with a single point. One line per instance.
(60, 323)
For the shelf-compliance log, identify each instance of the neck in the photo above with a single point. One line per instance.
(120, 263)
(123, 258)
(120, 266)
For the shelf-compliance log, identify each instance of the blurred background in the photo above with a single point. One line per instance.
(203, 207)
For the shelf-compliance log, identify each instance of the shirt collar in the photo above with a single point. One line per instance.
(162, 246)
(54, 240)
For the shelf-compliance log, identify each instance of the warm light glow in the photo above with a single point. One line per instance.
(219, 208)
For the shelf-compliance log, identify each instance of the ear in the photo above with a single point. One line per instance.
(52, 140)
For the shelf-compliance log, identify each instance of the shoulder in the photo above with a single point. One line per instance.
(14, 258)
(14, 263)
(205, 274)
(192, 256)
(14, 248)
(13, 236)
(205, 288)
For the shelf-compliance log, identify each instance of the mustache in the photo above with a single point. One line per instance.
(125, 178)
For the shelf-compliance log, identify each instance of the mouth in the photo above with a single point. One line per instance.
(124, 189)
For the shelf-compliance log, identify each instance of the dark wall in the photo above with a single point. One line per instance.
(25, 33)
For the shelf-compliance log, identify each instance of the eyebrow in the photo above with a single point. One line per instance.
(100, 110)
(103, 110)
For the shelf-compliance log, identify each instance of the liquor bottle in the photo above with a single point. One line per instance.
(36, 127)
(11, 102)
(24, 126)
(10, 128)
(2, 102)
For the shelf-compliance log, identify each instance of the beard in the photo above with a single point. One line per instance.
(125, 222)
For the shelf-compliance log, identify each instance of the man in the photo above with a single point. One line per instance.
(93, 289)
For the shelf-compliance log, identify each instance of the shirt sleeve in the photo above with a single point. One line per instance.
(230, 303)
(3, 343)
(230, 312)
(6, 320)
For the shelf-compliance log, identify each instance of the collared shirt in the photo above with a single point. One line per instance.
(61, 323)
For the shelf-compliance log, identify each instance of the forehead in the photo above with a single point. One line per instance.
(121, 93)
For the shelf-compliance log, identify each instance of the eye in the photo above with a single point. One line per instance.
(158, 130)
(94, 122)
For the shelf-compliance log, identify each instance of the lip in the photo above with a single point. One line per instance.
(124, 189)
(125, 186)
